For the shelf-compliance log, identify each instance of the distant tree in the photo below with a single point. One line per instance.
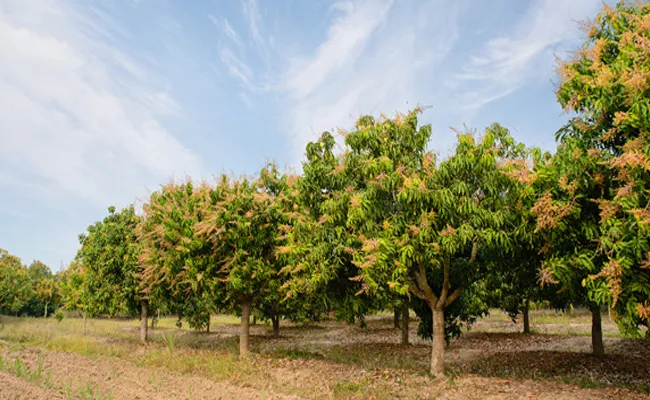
(109, 255)
(15, 284)
(47, 293)
(73, 289)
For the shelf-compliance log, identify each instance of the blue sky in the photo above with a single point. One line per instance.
(102, 101)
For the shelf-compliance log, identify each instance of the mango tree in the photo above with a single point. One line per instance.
(516, 284)
(44, 291)
(570, 186)
(378, 154)
(242, 225)
(607, 85)
(429, 244)
(170, 248)
(73, 289)
(109, 255)
(15, 285)
(47, 292)
(319, 241)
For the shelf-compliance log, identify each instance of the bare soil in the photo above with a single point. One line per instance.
(13, 387)
(115, 379)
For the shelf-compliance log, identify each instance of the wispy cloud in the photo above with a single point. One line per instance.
(77, 120)
(253, 18)
(371, 61)
(244, 98)
(507, 62)
(236, 67)
(346, 41)
(226, 28)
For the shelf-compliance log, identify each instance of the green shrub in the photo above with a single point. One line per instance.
(59, 315)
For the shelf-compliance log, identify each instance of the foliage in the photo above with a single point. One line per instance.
(59, 315)
(71, 285)
(245, 225)
(607, 85)
(108, 255)
(319, 239)
(430, 246)
(516, 284)
(26, 290)
(170, 251)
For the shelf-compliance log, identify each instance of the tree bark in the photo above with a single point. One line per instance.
(276, 325)
(526, 317)
(45, 312)
(84, 317)
(597, 346)
(244, 348)
(405, 322)
(438, 345)
(208, 327)
(143, 322)
(396, 317)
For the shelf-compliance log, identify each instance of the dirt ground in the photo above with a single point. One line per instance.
(74, 374)
(329, 360)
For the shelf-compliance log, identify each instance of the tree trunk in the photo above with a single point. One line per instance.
(153, 321)
(143, 322)
(244, 348)
(596, 333)
(208, 327)
(438, 346)
(396, 317)
(254, 320)
(405, 322)
(526, 317)
(84, 317)
(276, 325)
(45, 313)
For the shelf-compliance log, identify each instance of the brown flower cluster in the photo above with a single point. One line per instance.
(548, 213)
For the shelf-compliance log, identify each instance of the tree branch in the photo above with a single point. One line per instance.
(445, 282)
(421, 280)
(474, 252)
(454, 295)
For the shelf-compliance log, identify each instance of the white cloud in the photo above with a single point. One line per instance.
(346, 41)
(76, 118)
(372, 61)
(507, 62)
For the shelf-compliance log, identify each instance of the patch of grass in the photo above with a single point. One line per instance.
(346, 388)
(212, 365)
(90, 391)
(154, 381)
(170, 341)
(293, 353)
(21, 369)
